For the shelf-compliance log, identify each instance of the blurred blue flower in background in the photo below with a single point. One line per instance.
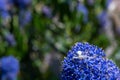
(23, 5)
(9, 68)
(24, 13)
(4, 15)
(108, 3)
(47, 11)
(24, 17)
(4, 7)
(10, 38)
(88, 62)
(103, 18)
(82, 9)
(90, 2)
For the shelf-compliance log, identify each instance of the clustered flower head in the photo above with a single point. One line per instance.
(9, 67)
(88, 62)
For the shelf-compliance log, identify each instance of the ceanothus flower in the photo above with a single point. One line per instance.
(9, 67)
(88, 62)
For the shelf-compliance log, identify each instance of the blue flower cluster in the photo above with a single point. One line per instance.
(9, 67)
(88, 62)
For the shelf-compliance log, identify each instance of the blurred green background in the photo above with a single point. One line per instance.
(41, 33)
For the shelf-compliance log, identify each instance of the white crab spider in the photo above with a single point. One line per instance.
(80, 56)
